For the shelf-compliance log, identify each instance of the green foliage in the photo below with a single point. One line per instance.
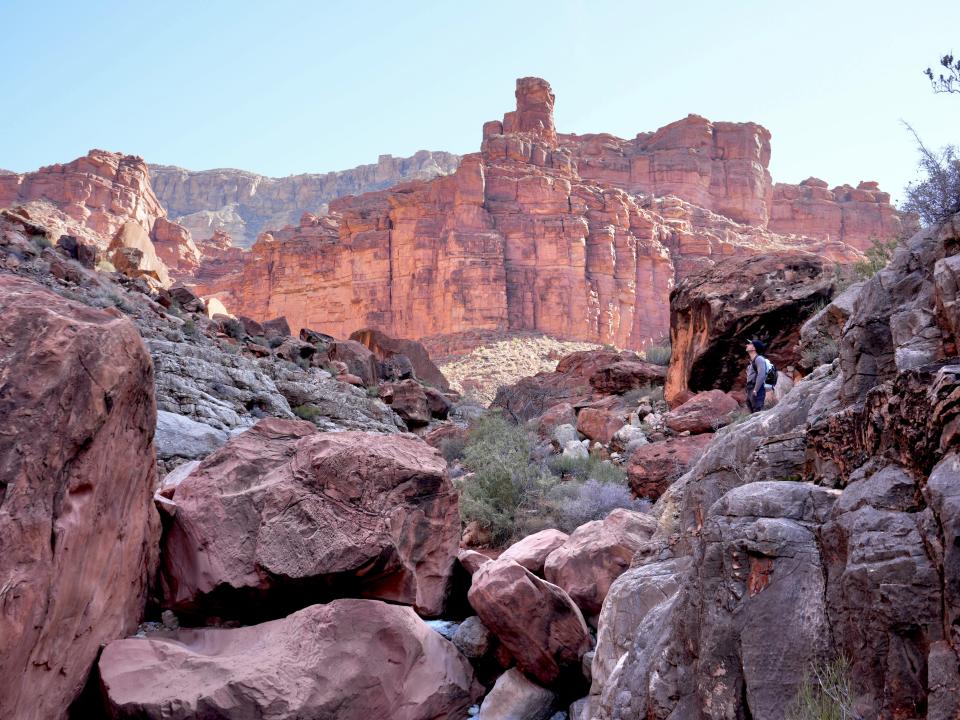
(189, 326)
(820, 351)
(373, 391)
(40, 242)
(306, 412)
(504, 484)
(588, 468)
(452, 448)
(878, 255)
(825, 693)
(653, 394)
(658, 353)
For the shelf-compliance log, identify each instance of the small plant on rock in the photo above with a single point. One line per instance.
(658, 353)
(306, 411)
(825, 694)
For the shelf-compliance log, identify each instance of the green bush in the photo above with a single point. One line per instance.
(877, 257)
(658, 353)
(452, 448)
(504, 485)
(651, 393)
(588, 468)
(306, 412)
(825, 693)
(820, 351)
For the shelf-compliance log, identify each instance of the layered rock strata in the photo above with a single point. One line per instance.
(580, 237)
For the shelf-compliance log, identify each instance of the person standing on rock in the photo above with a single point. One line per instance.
(756, 375)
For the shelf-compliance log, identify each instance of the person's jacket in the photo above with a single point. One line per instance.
(757, 373)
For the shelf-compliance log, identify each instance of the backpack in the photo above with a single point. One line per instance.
(771, 378)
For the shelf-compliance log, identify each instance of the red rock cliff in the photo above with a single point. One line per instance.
(581, 237)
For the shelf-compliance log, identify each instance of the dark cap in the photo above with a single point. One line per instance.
(758, 345)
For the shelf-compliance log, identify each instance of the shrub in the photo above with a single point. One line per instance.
(106, 266)
(306, 411)
(825, 693)
(878, 255)
(189, 326)
(504, 483)
(936, 196)
(588, 468)
(373, 391)
(452, 448)
(651, 393)
(575, 503)
(820, 351)
(658, 353)
(260, 340)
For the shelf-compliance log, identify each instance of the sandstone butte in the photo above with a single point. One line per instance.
(577, 236)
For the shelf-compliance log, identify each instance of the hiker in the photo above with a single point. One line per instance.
(758, 372)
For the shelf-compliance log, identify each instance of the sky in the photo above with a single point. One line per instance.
(284, 87)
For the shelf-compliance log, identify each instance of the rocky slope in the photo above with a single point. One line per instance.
(244, 204)
(825, 527)
(578, 237)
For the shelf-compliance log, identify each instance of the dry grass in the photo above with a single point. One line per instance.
(480, 373)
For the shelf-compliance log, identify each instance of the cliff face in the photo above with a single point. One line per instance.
(244, 204)
(581, 237)
(105, 200)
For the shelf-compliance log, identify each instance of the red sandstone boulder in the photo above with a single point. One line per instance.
(653, 467)
(287, 515)
(704, 412)
(596, 554)
(624, 375)
(471, 560)
(349, 660)
(560, 414)
(77, 473)
(535, 620)
(532, 551)
(600, 424)
(408, 400)
(356, 357)
(385, 347)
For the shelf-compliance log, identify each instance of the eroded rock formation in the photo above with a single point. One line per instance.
(580, 237)
(244, 204)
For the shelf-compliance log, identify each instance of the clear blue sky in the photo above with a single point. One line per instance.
(288, 87)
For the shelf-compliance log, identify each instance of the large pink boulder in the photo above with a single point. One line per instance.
(283, 513)
(78, 530)
(655, 466)
(600, 424)
(535, 620)
(532, 551)
(596, 554)
(349, 660)
(705, 412)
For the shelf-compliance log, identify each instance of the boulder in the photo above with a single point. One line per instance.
(559, 415)
(437, 403)
(532, 551)
(350, 660)
(408, 400)
(514, 697)
(713, 313)
(599, 424)
(595, 555)
(77, 525)
(178, 436)
(535, 620)
(276, 328)
(385, 347)
(285, 515)
(471, 560)
(704, 412)
(625, 375)
(356, 357)
(653, 467)
(472, 638)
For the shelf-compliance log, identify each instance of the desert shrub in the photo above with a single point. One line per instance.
(589, 468)
(189, 326)
(820, 351)
(653, 394)
(658, 353)
(260, 340)
(452, 448)
(504, 485)
(233, 328)
(306, 412)
(373, 391)
(40, 242)
(936, 196)
(577, 502)
(303, 363)
(106, 266)
(275, 342)
(825, 693)
(877, 257)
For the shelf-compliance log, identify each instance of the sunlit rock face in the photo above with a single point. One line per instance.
(580, 237)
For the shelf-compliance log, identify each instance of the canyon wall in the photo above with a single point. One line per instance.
(581, 237)
(244, 204)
